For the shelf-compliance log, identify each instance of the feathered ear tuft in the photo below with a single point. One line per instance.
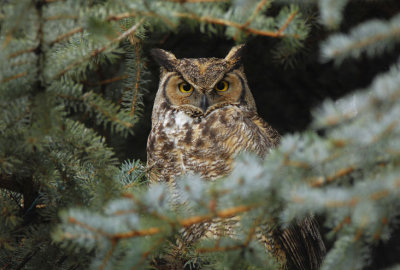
(165, 59)
(235, 55)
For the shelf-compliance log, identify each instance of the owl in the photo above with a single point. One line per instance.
(204, 115)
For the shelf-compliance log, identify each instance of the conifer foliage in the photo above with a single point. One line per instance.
(67, 202)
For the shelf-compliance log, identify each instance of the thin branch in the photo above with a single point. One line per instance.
(226, 213)
(66, 35)
(342, 172)
(115, 79)
(61, 17)
(108, 255)
(17, 53)
(19, 75)
(241, 27)
(257, 10)
(102, 49)
(346, 220)
(286, 24)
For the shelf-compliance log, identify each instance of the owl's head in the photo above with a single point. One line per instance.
(199, 86)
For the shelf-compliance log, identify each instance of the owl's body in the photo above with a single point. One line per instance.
(204, 115)
(181, 144)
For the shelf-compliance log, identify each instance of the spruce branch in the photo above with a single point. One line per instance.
(187, 222)
(278, 34)
(320, 181)
(66, 35)
(14, 77)
(18, 53)
(98, 51)
(107, 81)
(371, 37)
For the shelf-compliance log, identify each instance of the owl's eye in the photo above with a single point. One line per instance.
(222, 86)
(185, 87)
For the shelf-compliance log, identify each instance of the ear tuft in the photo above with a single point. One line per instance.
(235, 55)
(165, 59)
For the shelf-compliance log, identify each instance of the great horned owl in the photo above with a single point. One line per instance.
(204, 115)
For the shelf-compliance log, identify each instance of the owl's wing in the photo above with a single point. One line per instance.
(272, 136)
(301, 242)
(303, 245)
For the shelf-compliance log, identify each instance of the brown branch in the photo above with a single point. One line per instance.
(132, 170)
(297, 164)
(257, 10)
(220, 249)
(342, 172)
(108, 255)
(19, 75)
(346, 220)
(116, 17)
(291, 17)
(87, 227)
(17, 53)
(66, 35)
(241, 27)
(102, 49)
(115, 79)
(334, 203)
(226, 213)
(138, 233)
(61, 17)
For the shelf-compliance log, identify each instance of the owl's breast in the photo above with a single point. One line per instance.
(180, 144)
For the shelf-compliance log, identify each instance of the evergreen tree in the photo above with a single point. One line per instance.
(73, 75)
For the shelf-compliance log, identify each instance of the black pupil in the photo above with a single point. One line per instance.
(220, 85)
(186, 87)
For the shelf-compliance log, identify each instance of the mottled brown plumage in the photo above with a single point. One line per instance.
(204, 115)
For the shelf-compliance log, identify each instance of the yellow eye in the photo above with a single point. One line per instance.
(185, 87)
(222, 86)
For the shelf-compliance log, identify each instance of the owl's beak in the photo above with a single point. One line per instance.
(204, 103)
